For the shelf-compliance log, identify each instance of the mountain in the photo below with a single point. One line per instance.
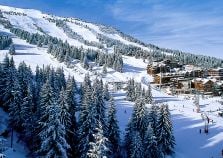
(35, 21)
(93, 36)
(81, 48)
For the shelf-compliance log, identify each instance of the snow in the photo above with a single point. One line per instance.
(19, 150)
(187, 123)
(85, 33)
(22, 22)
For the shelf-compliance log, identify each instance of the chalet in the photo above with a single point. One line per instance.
(155, 69)
(181, 83)
(166, 78)
(172, 64)
(203, 85)
(193, 71)
(216, 73)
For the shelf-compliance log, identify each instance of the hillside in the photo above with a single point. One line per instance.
(100, 39)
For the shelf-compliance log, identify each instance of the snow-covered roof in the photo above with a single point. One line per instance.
(204, 80)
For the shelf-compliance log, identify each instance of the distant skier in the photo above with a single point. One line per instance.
(200, 131)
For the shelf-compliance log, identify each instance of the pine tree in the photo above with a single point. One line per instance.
(152, 117)
(98, 148)
(12, 49)
(148, 95)
(131, 90)
(10, 83)
(98, 101)
(165, 137)
(27, 116)
(24, 78)
(113, 134)
(137, 149)
(152, 149)
(85, 62)
(71, 135)
(138, 124)
(139, 117)
(106, 94)
(65, 117)
(15, 119)
(51, 130)
(52, 134)
(138, 91)
(4, 79)
(87, 120)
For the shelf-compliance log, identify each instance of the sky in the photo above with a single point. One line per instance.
(194, 26)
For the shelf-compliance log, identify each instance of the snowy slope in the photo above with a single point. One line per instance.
(31, 19)
(189, 142)
(186, 122)
(19, 150)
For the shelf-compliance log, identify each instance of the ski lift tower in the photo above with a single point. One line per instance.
(206, 122)
(196, 102)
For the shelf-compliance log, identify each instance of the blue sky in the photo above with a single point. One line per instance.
(194, 26)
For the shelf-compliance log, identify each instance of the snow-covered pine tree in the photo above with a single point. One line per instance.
(46, 98)
(24, 78)
(139, 117)
(3, 81)
(138, 91)
(52, 134)
(165, 136)
(87, 122)
(152, 149)
(12, 96)
(130, 90)
(14, 102)
(98, 101)
(148, 95)
(65, 116)
(138, 123)
(113, 134)
(12, 49)
(85, 86)
(106, 94)
(85, 62)
(60, 78)
(152, 117)
(28, 118)
(71, 134)
(137, 148)
(98, 148)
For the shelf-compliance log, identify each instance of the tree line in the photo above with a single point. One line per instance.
(54, 116)
(149, 133)
(5, 41)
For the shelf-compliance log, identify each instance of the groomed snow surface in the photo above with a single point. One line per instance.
(190, 143)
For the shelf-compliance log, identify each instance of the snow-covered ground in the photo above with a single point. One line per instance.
(18, 149)
(31, 19)
(190, 143)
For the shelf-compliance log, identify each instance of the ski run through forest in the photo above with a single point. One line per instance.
(69, 88)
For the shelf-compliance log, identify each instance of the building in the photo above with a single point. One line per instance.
(216, 73)
(166, 78)
(203, 85)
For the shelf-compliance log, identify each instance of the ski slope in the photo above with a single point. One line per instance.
(187, 123)
(190, 143)
(31, 19)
